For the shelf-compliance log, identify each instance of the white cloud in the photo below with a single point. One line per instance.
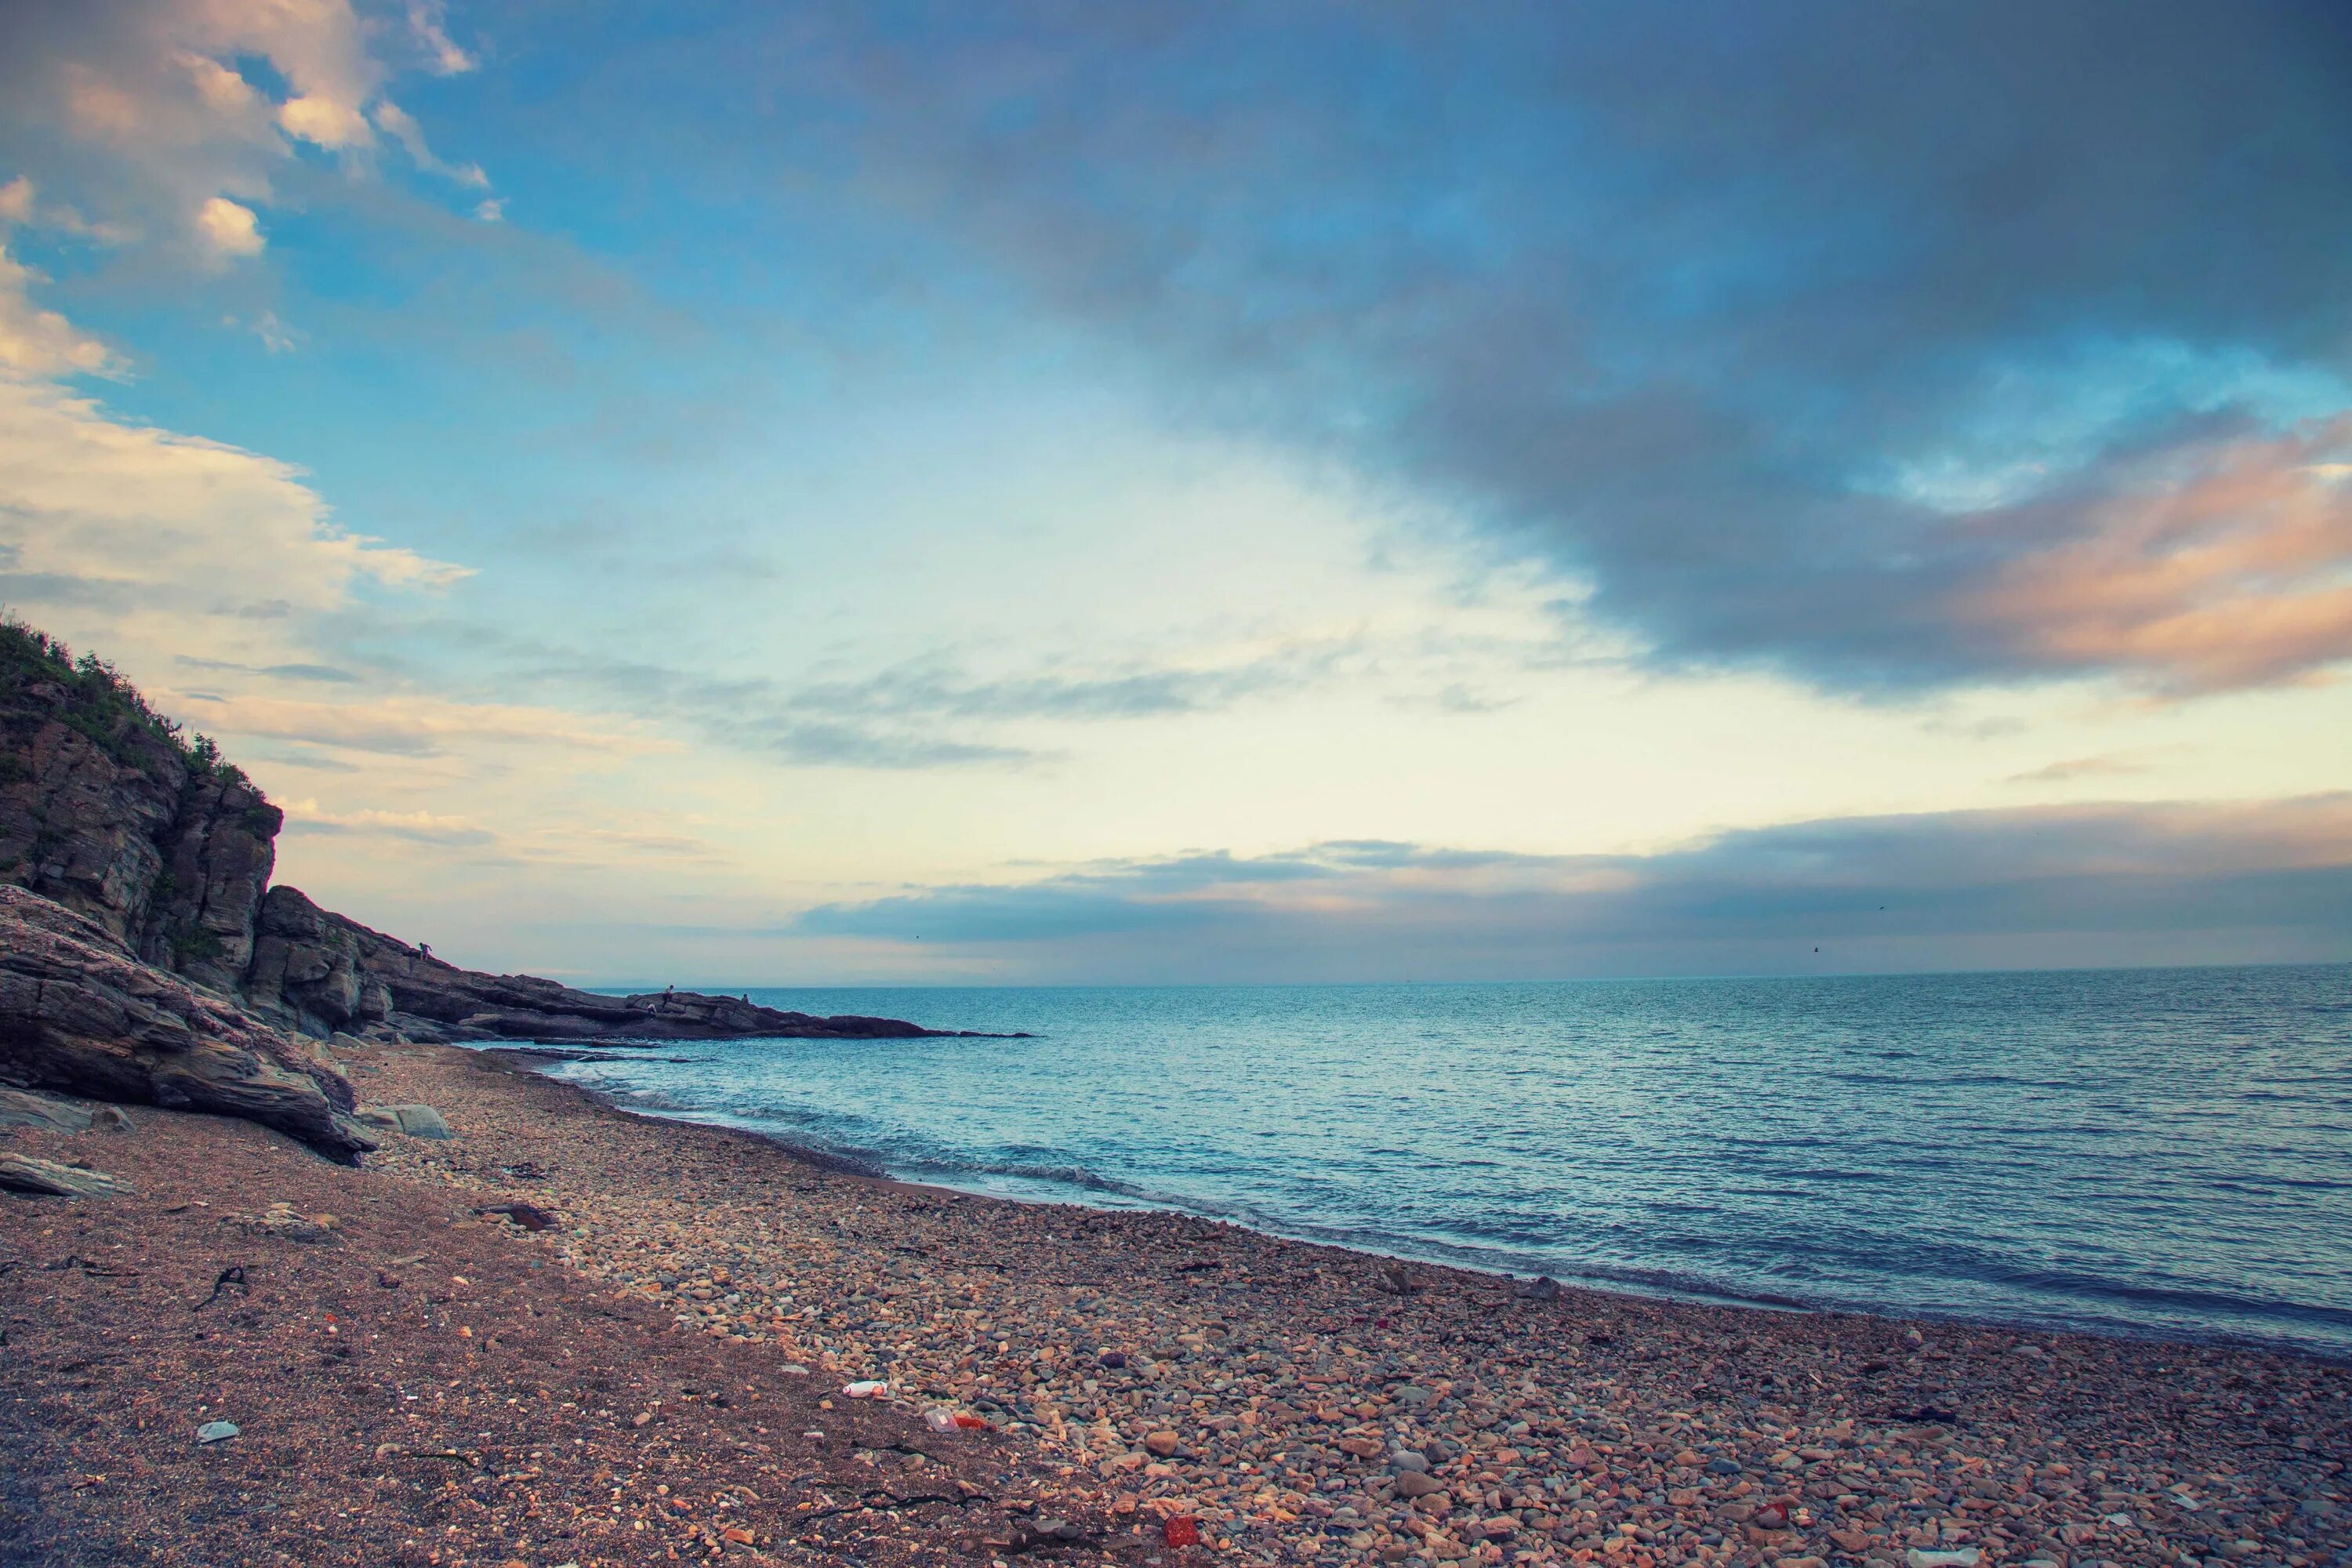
(37, 342)
(16, 200)
(443, 57)
(401, 127)
(275, 335)
(493, 210)
(324, 123)
(410, 724)
(145, 537)
(227, 229)
(222, 89)
(160, 85)
(421, 827)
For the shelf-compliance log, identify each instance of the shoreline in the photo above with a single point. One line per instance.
(863, 1162)
(620, 1388)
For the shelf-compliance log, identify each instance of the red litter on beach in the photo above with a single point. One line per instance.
(1182, 1531)
(973, 1424)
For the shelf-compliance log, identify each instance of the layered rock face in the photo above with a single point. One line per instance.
(104, 810)
(217, 857)
(79, 1013)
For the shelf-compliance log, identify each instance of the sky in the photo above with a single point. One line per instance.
(744, 494)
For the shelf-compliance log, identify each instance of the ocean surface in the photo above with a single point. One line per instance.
(2147, 1152)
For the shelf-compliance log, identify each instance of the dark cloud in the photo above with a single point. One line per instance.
(2098, 884)
(1809, 335)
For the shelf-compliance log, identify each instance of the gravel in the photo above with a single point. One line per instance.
(1149, 1369)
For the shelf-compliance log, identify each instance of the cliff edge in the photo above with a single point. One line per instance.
(144, 954)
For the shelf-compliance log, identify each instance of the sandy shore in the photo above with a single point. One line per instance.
(646, 1380)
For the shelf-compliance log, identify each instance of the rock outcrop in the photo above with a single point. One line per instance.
(324, 973)
(79, 1012)
(145, 958)
(217, 857)
(107, 810)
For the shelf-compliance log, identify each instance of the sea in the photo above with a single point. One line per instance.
(2156, 1153)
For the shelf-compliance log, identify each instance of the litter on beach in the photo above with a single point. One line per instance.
(940, 1418)
(869, 1390)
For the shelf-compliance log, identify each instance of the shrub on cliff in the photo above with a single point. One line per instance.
(98, 702)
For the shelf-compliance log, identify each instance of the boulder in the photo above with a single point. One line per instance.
(47, 1178)
(416, 1121)
(47, 1112)
(79, 1015)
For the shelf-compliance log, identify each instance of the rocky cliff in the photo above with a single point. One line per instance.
(147, 958)
(107, 809)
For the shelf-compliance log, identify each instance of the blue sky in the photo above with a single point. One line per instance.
(938, 492)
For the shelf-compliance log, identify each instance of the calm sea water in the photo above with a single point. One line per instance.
(2154, 1152)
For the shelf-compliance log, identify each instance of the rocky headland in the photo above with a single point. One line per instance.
(145, 957)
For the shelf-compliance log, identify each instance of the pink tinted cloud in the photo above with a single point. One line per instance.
(2220, 566)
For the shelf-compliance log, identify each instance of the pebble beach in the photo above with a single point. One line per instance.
(1155, 1388)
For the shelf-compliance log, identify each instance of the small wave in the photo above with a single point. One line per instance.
(1077, 1177)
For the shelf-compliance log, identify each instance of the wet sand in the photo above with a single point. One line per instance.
(424, 1384)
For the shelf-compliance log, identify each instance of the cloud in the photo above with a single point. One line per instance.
(2101, 883)
(933, 711)
(326, 672)
(2225, 567)
(228, 230)
(176, 119)
(176, 522)
(37, 342)
(155, 545)
(426, 22)
(1888, 352)
(303, 816)
(401, 126)
(408, 725)
(2073, 768)
(324, 123)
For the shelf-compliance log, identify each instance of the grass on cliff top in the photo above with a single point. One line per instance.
(100, 702)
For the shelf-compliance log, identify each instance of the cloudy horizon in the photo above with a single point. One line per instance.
(828, 494)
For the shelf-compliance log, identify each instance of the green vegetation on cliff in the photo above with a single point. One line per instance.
(99, 703)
